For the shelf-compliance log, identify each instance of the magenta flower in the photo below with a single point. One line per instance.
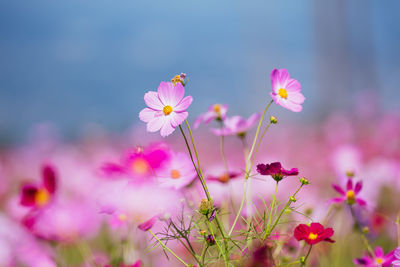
(237, 125)
(313, 234)
(147, 225)
(39, 196)
(350, 194)
(215, 112)
(178, 172)
(286, 91)
(377, 260)
(276, 171)
(166, 108)
(224, 178)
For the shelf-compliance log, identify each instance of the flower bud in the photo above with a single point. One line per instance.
(273, 120)
(304, 181)
(292, 199)
(205, 207)
(365, 230)
(350, 173)
(302, 260)
(210, 240)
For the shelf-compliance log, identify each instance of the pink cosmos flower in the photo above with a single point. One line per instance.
(166, 108)
(39, 196)
(276, 170)
(313, 234)
(178, 171)
(286, 91)
(215, 112)
(350, 194)
(396, 263)
(139, 163)
(237, 125)
(378, 260)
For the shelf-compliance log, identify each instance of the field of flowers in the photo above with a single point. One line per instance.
(214, 190)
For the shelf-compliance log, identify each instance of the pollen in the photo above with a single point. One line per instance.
(282, 93)
(176, 79)
(312, 236)
(140, 166)
(217, 108)
(175, 174)
(167, 110)
(42, 197)
(379, 260)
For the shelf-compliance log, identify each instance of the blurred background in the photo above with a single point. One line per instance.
(74, 63)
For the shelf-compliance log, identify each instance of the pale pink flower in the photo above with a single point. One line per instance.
(166, 108)
(215, 112)
(286, 91)
(178, 172)
(237, 125)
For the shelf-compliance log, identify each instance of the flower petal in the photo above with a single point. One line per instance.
(153, 101)
(28, 195)
(147, 114)
(296, 97)
(358, 187)
(293, 86)
(349, 185)
(176, 118)
(49, 178)
(338, 189)
(169, 94)
(184, 104)
(147, 225)
(155, 124)
(361, 202)
(167, 128)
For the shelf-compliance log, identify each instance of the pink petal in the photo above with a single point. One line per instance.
(361, 202)
(169, 94)
(274, 80)
(28, 195)
(148, 224)
(336, 200)
(288, 104)
(49, 178)
(293, 86)
(177, 118)
(296, 97)
(338, 189)
(358, 187)
(349, 185)
(167, 128)
(379, 252)
(198, 121)
(151, 99)
(147, 114)
(184, 104)
(253, 119)
(155, 124)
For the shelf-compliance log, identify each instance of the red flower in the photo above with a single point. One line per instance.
(313, 234)
(276, 170)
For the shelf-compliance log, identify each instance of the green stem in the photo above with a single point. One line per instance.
(363, 237)
(247, 169)
(167, 248)
(267, 233)
(271, 209)
(306, 257)
(216, 241)
(222, 151)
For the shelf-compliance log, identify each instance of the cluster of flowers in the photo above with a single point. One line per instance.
(113, 209)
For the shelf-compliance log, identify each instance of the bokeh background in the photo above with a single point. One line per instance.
(77, 63)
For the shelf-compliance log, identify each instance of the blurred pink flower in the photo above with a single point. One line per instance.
(286, 91)
(166, 108)
(215, 112)
(236, 125)
(39, 196)
(377, 260)
(178, 171)
(224, 177)
(350, 194)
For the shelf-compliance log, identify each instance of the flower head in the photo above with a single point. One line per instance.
(237, 125)
(276, 170)
(224, 177)
(286, 91)
(313, 234)
(350, 194)
(215, 112)
(39, 196)
(166, 108)
(377, 260)
(178, 171)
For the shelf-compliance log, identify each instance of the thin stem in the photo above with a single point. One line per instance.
(363, 237)
(216, 241)
(167, 248)
(259, 142)
(247, 169)
(308, 254)
(271, 209)
(222, 151)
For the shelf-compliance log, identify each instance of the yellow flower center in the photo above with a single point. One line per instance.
(42, 197)
(167, 110)
(140, 166)
(122, 217)
(379, 260)
(312, 236)
(350, 195)
(175, 174)
(224, 178)
(282, 93)
(217, 108)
